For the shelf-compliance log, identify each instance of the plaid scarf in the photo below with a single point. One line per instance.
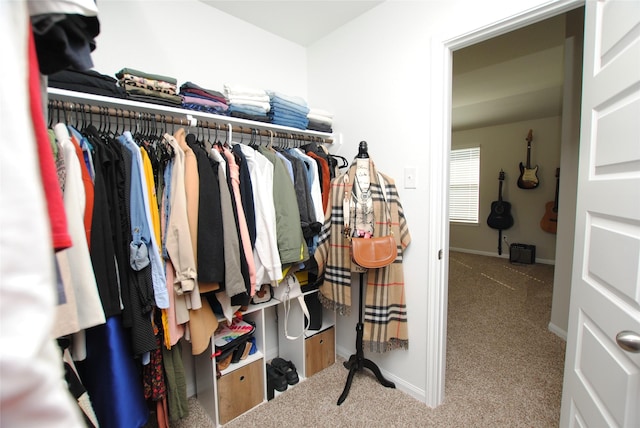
(385, 312)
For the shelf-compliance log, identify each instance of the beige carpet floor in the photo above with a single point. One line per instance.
(504, 368)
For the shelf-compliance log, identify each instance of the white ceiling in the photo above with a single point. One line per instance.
(513, 77)
(300, 21)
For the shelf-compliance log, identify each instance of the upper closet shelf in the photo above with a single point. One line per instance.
(185, 117)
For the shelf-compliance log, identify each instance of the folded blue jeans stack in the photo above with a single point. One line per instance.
(288, 110)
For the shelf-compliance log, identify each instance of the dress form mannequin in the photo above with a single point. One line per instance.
(363, 228)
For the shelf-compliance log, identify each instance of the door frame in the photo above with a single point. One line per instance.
(442, 48)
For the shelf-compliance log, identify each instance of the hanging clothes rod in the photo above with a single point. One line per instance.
(82, 112)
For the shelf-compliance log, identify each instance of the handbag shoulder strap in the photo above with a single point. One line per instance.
(292, 290)
(383, 188)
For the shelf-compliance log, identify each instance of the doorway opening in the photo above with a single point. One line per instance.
(502, 87)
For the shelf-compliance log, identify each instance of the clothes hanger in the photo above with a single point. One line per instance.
(99, 126)
(157, 126)
(241, 136)
(252, 141)
(104, 123)
(67, 111)
(201, 141)
(136, 126)
(50, 114)
(208, 144)
(130, 116)
(119, 113)
(85, 122)
(345, 162)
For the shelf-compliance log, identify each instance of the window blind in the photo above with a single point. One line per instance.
(464, 185)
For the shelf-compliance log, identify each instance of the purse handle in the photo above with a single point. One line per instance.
(384, 196)
(293, 285)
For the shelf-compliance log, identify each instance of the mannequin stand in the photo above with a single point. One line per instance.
(357, 362)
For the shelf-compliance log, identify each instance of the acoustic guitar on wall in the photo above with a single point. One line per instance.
(528, 176)
(500, 217)
(549, 222)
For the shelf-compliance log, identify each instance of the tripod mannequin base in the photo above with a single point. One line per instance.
(358, 362)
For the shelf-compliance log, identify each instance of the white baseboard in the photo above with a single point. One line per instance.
(505, 255)
(558, 331)
(404, 386)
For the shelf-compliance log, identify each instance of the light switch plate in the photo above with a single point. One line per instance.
(410, 177)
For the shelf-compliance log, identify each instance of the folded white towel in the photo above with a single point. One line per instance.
(249, 102)
(320, 112)
(320, 119)
(244, 91)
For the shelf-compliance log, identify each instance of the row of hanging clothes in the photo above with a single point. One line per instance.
(171, 230)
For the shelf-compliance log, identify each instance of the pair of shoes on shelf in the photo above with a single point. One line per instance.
(288, 368)
(276, 381)
(241, 352)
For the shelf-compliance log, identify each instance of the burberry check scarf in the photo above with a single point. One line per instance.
(385, 316)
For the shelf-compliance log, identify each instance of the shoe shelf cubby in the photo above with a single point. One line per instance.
(241, 386)
(296, 350)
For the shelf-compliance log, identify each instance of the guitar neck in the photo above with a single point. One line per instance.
(500, 191)
(529, 139)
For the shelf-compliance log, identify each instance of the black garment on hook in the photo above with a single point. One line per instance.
(210, 246)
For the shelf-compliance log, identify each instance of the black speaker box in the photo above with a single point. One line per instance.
(522, 253)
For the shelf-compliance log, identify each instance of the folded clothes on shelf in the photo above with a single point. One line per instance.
(195, 97)
(320, 120)
(148, 87)
(89, 81)
(287, 110)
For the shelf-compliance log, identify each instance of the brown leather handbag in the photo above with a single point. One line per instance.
(378, 251)
(375, 252)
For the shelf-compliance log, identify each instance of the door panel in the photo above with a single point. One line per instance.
(615, 269)
(617, 22)
(621, 153)
(602, 381)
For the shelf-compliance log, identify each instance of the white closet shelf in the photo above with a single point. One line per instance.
(235, 366)
(251, 308)
(142, 107)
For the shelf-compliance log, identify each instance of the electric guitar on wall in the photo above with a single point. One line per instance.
(528, 176)
(549, 222)
(500, 217)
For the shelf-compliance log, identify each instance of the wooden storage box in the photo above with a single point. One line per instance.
(240, 390)
(319, 351)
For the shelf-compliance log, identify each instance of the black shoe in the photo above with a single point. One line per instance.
(288, 368)
(275, 380)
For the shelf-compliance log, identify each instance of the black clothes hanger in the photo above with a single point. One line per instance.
(84, 122)
(241, 135)
(334, 161)
(255, 134)
(50, 115)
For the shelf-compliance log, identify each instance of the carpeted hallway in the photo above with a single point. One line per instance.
(504, 368)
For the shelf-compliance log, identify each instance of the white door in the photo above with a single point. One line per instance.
(602, 378)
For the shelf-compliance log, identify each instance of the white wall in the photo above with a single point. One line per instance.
(375, 75)
(194, 42)
(504, 147)
(569, 173)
